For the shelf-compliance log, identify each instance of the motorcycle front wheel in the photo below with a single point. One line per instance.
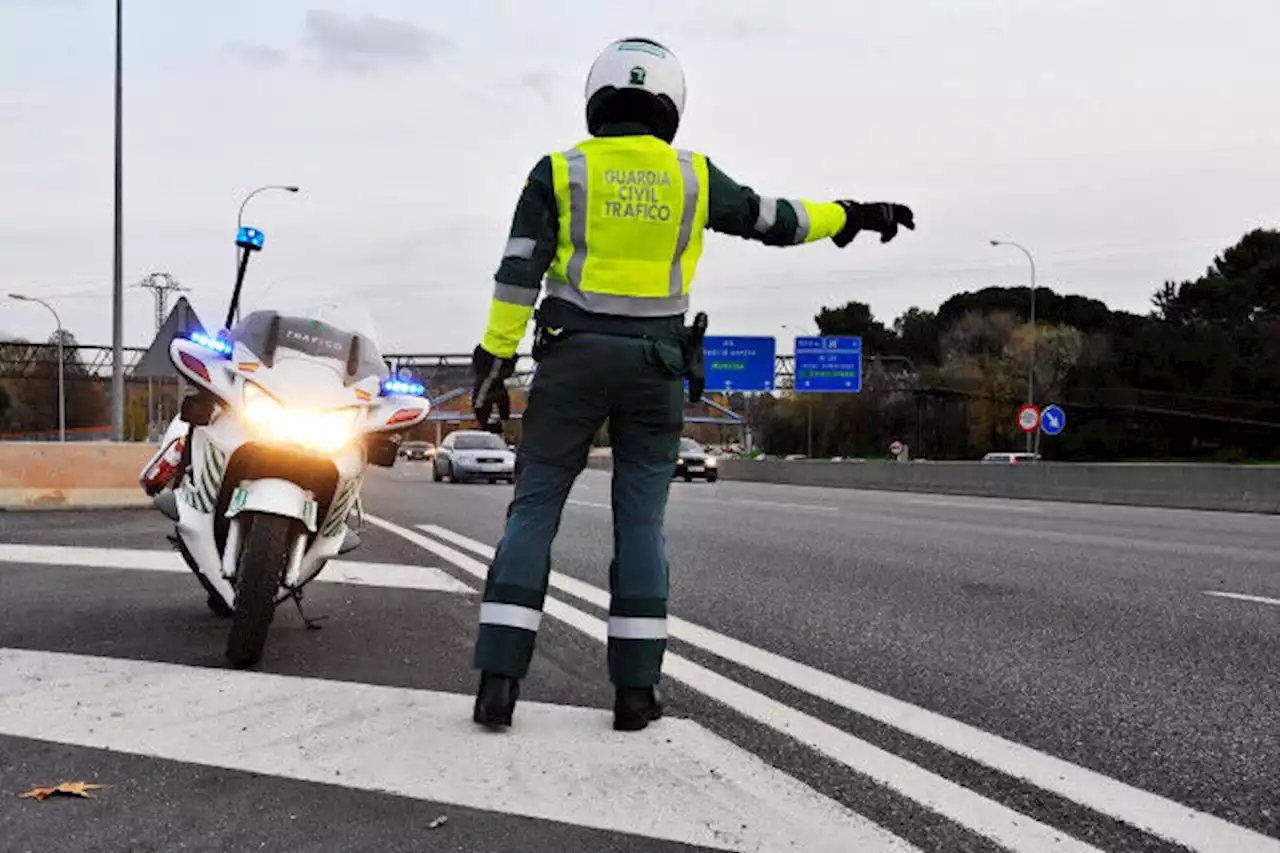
(267, 546)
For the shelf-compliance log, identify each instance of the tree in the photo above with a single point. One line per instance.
(919, 337)
(35, 394)
(1241, 286)
(1199, 377)
(855, 318)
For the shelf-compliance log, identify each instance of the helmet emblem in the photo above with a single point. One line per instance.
(637, 76)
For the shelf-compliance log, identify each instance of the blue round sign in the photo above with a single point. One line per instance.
(1053, 420)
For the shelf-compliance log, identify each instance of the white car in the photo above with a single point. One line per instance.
(469, 455)
(1010, 458)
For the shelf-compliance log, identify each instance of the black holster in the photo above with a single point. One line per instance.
(695, 357)
(555, 315)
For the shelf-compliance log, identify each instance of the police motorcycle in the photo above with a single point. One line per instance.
(263, 466)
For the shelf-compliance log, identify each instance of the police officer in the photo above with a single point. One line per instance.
(615, 227)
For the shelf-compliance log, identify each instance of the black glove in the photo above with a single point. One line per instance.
(490, 387)
(880, 216)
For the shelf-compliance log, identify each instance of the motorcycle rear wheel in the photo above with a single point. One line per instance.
(267, 546)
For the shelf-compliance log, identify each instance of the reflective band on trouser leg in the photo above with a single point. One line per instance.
(508, 632)
(622, 306)
(514, 616)
(768, 215)
(577, 163)
(637, 628)
(689, 177)
(637, 643)
(510, 616)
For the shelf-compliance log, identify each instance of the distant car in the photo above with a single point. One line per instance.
(1010, 458)
(695, 462)
(474, 455)
(417, 450)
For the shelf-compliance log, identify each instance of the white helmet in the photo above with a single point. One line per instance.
(644, 66)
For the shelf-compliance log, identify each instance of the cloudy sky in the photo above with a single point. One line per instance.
(1123, 142)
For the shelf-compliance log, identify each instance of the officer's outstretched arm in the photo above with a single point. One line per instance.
(530, 249)
(740, 211)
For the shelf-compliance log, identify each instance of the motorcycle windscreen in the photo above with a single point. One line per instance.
(336, 328)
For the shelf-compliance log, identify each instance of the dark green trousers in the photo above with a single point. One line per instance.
(635, 385)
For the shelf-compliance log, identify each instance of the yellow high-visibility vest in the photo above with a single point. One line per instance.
(632, 212)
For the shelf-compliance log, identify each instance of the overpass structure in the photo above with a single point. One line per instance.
(446, 375)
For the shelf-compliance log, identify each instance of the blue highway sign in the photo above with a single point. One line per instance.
(1053, 420)
(739, 364)
(829, 364)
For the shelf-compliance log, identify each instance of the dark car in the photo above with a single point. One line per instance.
(695, 462)
(474, 455)
(417, 450)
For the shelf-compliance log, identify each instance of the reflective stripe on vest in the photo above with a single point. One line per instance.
(632, 212)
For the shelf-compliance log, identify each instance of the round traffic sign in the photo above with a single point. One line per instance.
(896, 449)
(1053, 420)
(1028, 418)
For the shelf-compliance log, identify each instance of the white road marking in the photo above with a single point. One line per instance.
(729, 503)
(337, 571)
(567, 764)
(1239, 596)
(989, 504)
(577, 502)
(1149, 812)
(990, 819)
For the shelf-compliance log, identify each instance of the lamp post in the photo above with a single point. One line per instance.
(62, 397)
(808, 399)
(117, 278)
(1031, 363)
(240, 215)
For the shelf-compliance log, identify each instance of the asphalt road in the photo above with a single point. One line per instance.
(873, 670)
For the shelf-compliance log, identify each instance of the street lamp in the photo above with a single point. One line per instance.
(240, 214)
(62, 397)
(808, 399)
(1031, 367)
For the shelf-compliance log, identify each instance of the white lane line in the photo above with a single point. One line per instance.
(990, 819)
(1239, 596)
(393, 575)
(566, 764)
(729, 503)
(990, 505)
(577, 502)
(1149, 812)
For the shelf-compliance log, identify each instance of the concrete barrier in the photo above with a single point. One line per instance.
(76, 475)
(1237, 488)
(1233, 488)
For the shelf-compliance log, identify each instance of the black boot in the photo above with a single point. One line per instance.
(634, 708)
(496, 700)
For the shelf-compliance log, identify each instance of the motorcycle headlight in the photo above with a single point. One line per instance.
(325, 432)
(332, 430)
(265, 413)
(711, 462)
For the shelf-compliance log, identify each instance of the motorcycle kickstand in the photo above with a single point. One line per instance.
(312, 624)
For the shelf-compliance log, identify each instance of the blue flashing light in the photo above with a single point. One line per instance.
(398, 386)
(250, 238)
(218, 345)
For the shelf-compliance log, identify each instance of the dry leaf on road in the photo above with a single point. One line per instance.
(75, 789)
